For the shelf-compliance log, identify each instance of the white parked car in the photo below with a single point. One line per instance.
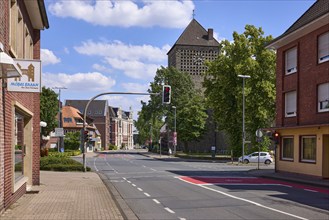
(265, 157)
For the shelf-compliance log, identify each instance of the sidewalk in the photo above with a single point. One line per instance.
(66, 195)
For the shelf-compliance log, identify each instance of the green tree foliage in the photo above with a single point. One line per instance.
(72, 140)
(190, 107)
(48, 110)
(245, 56)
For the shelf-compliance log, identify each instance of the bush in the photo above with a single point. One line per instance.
(113, 147)
(62, 163)
(67, 153)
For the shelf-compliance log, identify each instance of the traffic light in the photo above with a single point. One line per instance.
(276, 138)
(166, 94)
(85, 136)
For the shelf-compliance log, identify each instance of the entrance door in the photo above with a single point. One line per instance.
(325, 159)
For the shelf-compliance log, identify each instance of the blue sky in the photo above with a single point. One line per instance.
(94, 47)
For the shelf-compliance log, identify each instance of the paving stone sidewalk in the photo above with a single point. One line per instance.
(65, 195)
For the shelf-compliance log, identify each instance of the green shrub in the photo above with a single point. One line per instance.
(67, 153)
(60, 164)
(113, 147)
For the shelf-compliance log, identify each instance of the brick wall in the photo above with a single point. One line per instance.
(30, 101)
(310, 74)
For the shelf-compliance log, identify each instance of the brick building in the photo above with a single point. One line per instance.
(21, 23)
(99, 112)
(121, 128)
(193, 47)
(302, 102)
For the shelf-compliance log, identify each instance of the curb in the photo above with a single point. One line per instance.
(124, 209)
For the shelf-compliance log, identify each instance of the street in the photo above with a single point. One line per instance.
(178, 189)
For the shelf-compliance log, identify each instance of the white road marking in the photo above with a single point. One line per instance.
(246, 200)
(133, 185)
(124, 178)
(182, 218)
(310, 190)
(128, 181)
(153, 169)
(169, 210)
(95, 164)
(156, 201)
(140, 189)
(148, 195)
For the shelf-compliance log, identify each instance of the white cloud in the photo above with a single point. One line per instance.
(135, 87)
(48, 57)
(147, 13)
(134, 69)
(123, 51)
(101, 68)
(217, 37)
(93, 81)
(66, 50)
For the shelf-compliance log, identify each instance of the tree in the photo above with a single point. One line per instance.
(190, 106)
(72, 140)
(48, 110)
(223, 88)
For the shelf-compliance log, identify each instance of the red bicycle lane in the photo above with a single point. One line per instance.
(201, 180)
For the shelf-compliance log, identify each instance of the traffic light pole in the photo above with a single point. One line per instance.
(85, 116)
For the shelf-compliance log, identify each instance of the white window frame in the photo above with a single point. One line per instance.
(291, 61)
(323, 97)
(290, 107)
(323, 47)
(302, 149)
(283, 157)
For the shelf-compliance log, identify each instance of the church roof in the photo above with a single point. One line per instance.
(195, 35)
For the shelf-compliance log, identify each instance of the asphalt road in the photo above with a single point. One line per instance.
(180, 189)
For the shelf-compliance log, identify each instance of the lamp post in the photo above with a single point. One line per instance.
(150, 136)
(61, 140)
(243, 109)
(175, 133)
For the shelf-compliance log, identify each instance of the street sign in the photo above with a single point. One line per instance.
(259, 133)
(59, 132)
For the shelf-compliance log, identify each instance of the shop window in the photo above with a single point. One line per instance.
(287, 148)
(291, 61)
(323, 48)
(19, 147)
(323, 97)
(290, 104)
(308, 149)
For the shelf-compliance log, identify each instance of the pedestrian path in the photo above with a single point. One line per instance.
(66, 195)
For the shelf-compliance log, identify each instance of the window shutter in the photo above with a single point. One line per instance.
(291, 103)
(291, 60)
(323, 94)
(324, 47)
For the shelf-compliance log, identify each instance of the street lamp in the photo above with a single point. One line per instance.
(175, 134)
(150, 136)
(243, 108)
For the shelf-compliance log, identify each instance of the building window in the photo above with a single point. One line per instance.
(323, 48)
(323, 97)
(290, 104)
(308, 149)
(287, 150)
(19, 147)
(67, 120)
(291, 61)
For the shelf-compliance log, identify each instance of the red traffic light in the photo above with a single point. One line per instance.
(166, 94)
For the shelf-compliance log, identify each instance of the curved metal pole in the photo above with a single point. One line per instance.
(85, 116)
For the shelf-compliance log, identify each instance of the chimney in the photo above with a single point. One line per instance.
(210, 34)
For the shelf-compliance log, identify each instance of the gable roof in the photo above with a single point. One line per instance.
(73, 115)
(195, 35)
(316, 16)
(96, 108)
(319, 8)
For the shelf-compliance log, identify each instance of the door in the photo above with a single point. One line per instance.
(325, 158)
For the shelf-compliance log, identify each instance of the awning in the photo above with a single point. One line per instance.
(8, 67)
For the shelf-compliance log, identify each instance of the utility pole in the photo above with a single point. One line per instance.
(60, 142)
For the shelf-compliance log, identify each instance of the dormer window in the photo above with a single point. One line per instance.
(323, 48)
(291, 61)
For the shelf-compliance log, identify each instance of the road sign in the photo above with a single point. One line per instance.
(59, 132)
(259, 133)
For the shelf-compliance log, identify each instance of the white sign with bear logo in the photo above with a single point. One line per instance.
(31, 77)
